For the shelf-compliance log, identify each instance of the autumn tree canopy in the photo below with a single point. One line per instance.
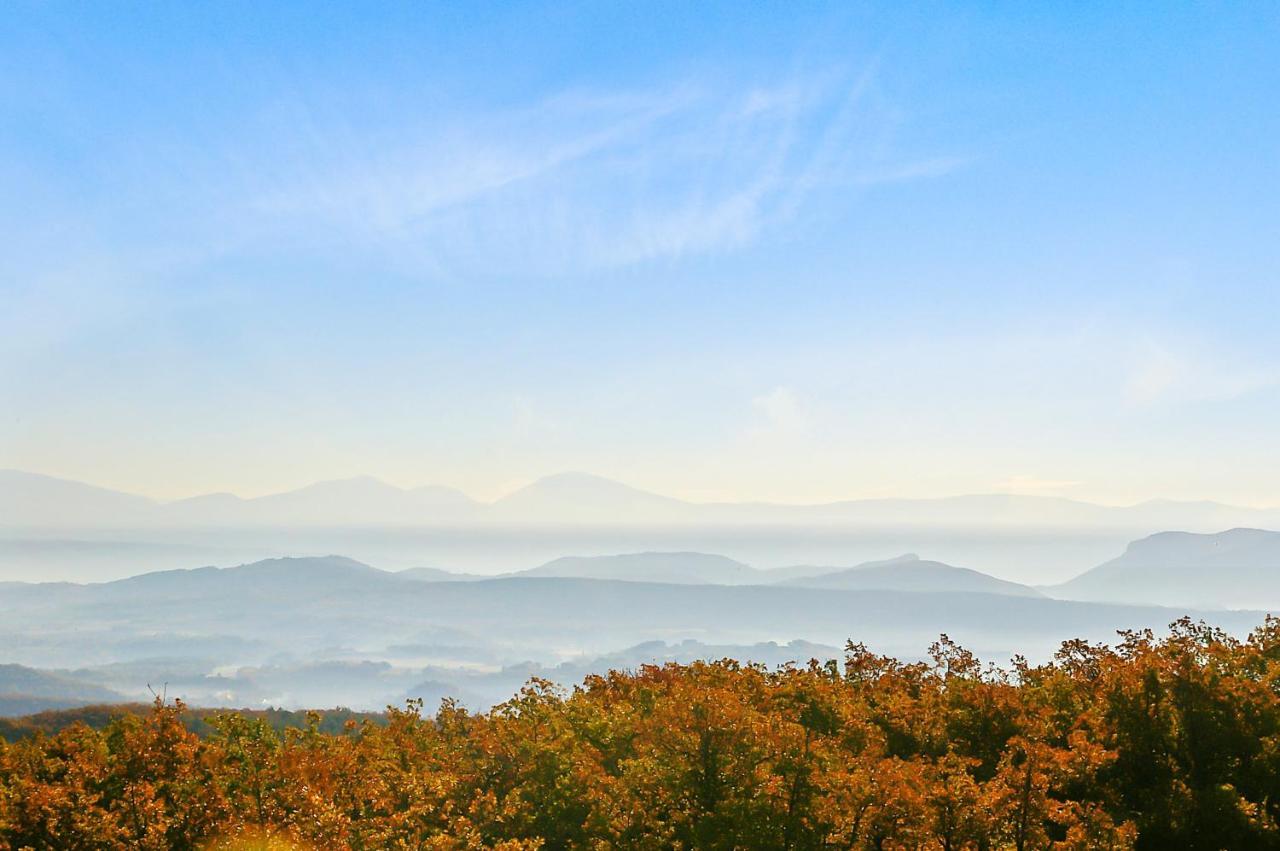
(1170, 742)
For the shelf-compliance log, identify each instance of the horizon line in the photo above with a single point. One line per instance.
(618, 483)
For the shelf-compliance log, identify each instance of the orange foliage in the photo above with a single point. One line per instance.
(1170, 743)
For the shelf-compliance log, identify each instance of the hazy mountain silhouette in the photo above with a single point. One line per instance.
(25, 690)
(911, 573)
(361, 500)
(330, 575)
(58, 528)
(313, 608)
(1238, 568)
(581, 497)
(28, 499)
(679, 568)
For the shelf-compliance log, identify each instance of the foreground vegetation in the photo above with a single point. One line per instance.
(1156, 743)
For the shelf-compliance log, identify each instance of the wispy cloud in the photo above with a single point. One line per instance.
(582, 180)
(912, 170)
(429, 168)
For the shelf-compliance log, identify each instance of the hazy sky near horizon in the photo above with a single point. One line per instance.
(794, 252)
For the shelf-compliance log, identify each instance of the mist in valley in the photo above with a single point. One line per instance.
(367, 615)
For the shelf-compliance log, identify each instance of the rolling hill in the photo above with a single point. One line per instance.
(911, 573)
(315, 609)
(62, 529)
(1238, 568)
(25, 690)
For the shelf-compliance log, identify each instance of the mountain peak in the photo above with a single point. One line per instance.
(1235, 568)
(577, 497)
(286, 572)
(908, 572)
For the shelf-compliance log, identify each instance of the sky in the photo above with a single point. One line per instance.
(773, 251)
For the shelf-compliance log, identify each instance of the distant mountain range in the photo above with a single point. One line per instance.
(1198, 566)
(358, 501)
(315, 630)
(1239, 568)
(904, 573)
(911, 573)
(36, 501)
(316, 607)
(1190, 567)
(27, 499)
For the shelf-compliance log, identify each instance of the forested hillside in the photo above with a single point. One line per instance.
(200, 720)
(1156, 743)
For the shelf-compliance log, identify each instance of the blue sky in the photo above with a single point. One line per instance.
(778, 251)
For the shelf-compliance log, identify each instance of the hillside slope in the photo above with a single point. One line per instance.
(25, 690)
(1238, 568)
(313, 608)
(911, 573)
